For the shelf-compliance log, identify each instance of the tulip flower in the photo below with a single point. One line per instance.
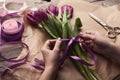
(69, 10)
(31, 18)
(53, 10)
(37, 16)
(40, 15)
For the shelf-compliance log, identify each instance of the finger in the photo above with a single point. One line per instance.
(45, 50)
(52, 41)
(92, 33)
(57, 45)
(87, 36)
(49, 44)
(88, 41)
(88, 32)
(46, 45)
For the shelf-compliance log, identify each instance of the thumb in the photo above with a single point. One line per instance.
(57, 45)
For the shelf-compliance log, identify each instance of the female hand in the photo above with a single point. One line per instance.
(97, 42)
(51, 52)
(101, 45)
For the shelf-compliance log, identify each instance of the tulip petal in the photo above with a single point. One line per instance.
(53, 10)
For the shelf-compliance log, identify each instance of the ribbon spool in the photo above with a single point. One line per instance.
(11, 29)
(14, 36)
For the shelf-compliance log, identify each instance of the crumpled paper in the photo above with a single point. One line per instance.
(35, 39)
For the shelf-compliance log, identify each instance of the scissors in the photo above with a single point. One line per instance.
(112, 32)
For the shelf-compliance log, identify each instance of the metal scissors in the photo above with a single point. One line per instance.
(112, 32)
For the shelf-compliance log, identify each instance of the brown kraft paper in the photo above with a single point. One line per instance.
(35, 39)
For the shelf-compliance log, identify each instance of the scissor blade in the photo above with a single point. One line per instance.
(103, 24)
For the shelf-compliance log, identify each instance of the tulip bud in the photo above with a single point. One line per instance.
(69, 10)
(53, 10)
(37, 16)
(40, 15)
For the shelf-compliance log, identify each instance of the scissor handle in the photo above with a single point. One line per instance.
(117, 30)
(111, 34)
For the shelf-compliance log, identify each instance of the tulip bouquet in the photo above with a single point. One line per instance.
(57, 25)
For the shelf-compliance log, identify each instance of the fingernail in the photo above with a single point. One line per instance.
(81, 33)
(59, 38)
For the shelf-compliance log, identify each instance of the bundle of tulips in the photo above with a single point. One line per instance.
(57, 25)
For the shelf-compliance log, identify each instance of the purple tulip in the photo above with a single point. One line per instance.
(40, 15)
(53, 10)
(37, 16)
(31, 18)
(68, 8)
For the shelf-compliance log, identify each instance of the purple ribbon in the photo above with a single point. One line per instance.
(10, 60)
(76, 58)
(17, 62)
(13, 38)
(69, 42)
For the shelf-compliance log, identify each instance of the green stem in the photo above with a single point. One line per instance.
(80, 66)
(85, 70)
(93, 73)
(81, 69)
(88, 73)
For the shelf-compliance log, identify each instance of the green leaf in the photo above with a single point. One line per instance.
(65, 30)
(58, 26)
(51, 23)
(65, 19)
(49, 30)
(86, 71)
(70, 32)
(78, 23)
(66, 27)
(53, 26)
(77, 26)
(41, 27)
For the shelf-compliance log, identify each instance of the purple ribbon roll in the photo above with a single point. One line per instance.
(11, 29)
